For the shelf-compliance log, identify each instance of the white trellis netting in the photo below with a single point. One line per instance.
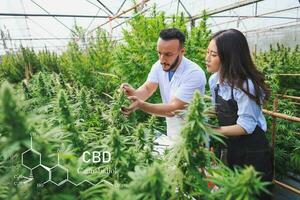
(38, 23)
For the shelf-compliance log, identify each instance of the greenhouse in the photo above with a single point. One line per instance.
(149, 99)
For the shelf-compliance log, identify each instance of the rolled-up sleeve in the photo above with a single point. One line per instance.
(248, 111)
(195, 81)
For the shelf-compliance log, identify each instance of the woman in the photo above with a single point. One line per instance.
(238, 90)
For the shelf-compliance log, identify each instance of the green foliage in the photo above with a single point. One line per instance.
(49, 61)
(237, 184)
(64, 109)
(84, 104)
(18, 66)
(140, 173)
(277, 61)
(114, 116)
(295, 156)
(147, 183)
(12, 119)
(190, 155)
(136, 56)
(93, 66)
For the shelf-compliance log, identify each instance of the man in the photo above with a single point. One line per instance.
(177, 78)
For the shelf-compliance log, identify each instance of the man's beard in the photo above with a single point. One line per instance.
(173, 65)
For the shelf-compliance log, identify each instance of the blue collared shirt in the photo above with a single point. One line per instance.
(249, 113)
(171, 73)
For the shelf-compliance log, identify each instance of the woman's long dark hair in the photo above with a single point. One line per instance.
(237, 65)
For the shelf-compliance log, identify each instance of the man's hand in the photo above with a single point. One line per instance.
(136, 103)
(137, 96)
(128, 89)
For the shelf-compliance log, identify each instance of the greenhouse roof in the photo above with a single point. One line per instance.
(40, 23)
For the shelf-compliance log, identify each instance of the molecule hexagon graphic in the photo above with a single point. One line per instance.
(31, 159)
(59, 174)
(41, 174)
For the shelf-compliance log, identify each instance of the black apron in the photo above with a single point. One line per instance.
(251, 149)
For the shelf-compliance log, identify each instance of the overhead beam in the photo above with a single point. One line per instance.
(120, 14)
(105, 7)
(226, 8)
(42, 38)
(55, 15)
(38, 5)
(120, 7)
(240, 18)
(187, 12)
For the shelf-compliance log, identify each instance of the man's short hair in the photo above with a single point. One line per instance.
(171, 34)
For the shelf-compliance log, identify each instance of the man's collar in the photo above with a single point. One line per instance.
(180, 67)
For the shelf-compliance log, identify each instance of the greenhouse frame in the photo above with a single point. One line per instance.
(64, 128)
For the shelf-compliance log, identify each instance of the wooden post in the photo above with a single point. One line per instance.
(275, 108)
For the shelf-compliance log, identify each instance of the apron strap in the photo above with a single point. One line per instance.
(217, 90)
(232, 97)
(216, 96)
